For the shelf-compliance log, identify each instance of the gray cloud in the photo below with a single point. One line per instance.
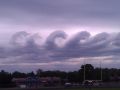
(50, 42)
(80, 45)
(68, 15)
(61, 13)
(84, 45)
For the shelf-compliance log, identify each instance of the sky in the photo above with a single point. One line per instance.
(59, 34)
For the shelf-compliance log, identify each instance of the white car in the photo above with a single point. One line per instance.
(68, 84)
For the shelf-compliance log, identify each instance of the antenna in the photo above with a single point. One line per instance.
(101, 70)
(84, 71)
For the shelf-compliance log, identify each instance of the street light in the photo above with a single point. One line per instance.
(101, 70)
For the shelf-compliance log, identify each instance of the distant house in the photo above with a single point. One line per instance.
(20, 82)
(27, 82)
(114, 78)
(36, 81)
(50, 81)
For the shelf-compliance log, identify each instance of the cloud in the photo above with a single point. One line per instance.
(68, 15)
(57, 14)
(20, 38)
(84, 45)
(50, 41)
(24, 49)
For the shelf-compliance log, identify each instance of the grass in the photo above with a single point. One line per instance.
(63, 89)
(94, 89)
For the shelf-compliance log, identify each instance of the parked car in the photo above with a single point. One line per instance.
(68, 84)
(91, 83)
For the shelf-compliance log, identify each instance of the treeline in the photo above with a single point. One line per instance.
(87, 72)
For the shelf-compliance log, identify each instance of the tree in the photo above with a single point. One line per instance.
(39, 72)
(88, 71)
(31, 74)
(5, 79)
(17, 74)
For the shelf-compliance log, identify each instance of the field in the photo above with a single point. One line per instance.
(65, 89)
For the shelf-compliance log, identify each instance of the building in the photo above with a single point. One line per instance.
(36, 81)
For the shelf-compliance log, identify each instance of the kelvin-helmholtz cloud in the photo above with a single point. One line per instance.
(59, 47)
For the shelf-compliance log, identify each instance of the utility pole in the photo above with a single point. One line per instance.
(101, 70)
(84, 71)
